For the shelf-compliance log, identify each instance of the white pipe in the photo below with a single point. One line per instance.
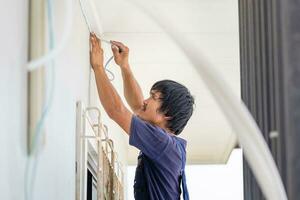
(84, 16)
(97, 18)
(249, 136)
(39, 62)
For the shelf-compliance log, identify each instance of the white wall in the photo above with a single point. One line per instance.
(13, 55)
(55, 175)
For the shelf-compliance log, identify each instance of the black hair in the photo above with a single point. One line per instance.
(177, 103)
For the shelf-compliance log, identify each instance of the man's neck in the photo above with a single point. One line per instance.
(163, 126)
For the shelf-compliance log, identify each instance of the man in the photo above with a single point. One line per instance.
(152, 127)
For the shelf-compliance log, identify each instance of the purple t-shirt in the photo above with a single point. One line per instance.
(161, 160)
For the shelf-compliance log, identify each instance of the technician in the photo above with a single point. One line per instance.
(152, 126)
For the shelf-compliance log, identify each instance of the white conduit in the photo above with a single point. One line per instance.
(85, 17)
(96, 16)
(249, 136)
(39, 62)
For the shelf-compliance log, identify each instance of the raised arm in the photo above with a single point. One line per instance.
(109, 97)
(132, 90)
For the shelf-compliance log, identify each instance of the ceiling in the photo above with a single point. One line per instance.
(213, 26)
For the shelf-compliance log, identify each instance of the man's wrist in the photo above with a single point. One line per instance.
(125, 66)
(98, 68)
(126, 71)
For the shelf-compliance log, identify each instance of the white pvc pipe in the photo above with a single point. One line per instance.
(249, 136)
(96, 17)
(84, 16)
(39, 62)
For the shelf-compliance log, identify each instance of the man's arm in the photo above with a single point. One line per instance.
(109, 97)
(132, 90)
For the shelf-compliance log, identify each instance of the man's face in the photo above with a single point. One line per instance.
(150, 110)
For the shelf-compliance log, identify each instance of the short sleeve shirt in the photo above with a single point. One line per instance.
(161, 158)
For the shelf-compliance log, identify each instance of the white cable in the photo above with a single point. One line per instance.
(34, 64)
(249, 136)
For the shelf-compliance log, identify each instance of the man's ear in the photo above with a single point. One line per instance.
(167, 118)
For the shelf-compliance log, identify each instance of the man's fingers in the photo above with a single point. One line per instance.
(117, 43)
(95, 42)
(92, 41)
(115, 49)
(120, 45)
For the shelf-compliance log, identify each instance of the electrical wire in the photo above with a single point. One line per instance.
(32, 161)
(110, 72)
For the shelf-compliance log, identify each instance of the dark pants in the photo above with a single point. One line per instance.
(140, 184)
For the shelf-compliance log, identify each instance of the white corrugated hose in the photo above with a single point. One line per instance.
(249, 135)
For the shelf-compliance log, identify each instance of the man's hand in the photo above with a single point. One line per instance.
(121, 53)
(96, 52)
